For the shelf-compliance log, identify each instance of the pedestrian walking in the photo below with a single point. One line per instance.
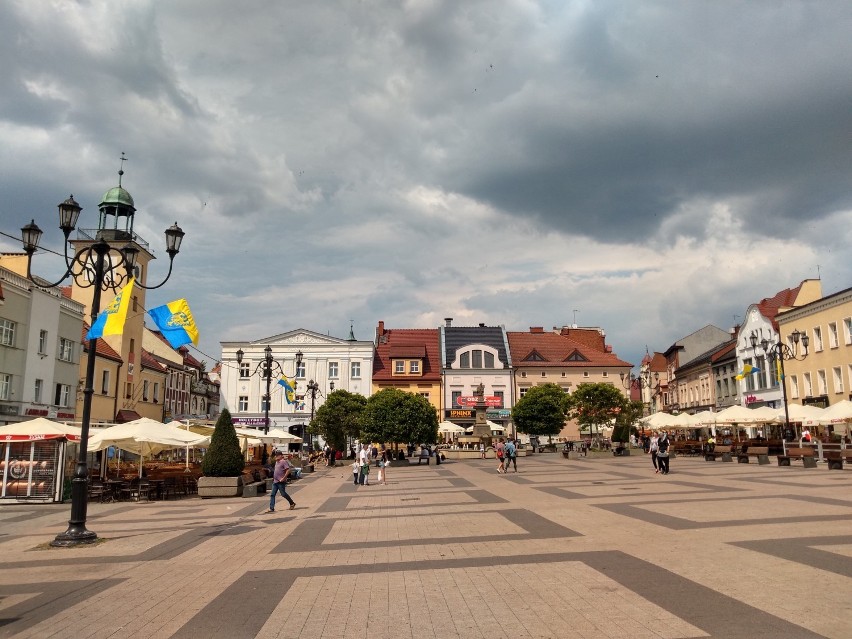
(356, 470)
(279, 481)
(364, 461)
(653, 448)
(499, 450)
(663, 453)
(482, 450)
(512, 455)
(383, 463)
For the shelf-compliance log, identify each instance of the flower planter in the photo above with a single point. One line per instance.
(220, 487)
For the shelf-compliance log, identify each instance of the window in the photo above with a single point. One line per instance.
(424, 394)
(300, 371)
(145, 390)
(5, 386)
(128, 390)
(719, 388)
(7, 332)
(156, 397)
(333, 370)
(837, 375)
(544, 373)
(523, 373)
(242, 404)
(832, 335)
(821, 381)
(585, 373)
(39, 385)
(794, 386)
(355, 370)
(245, 370)
(63, 393)
(489, 359)
(455, 400)
(399, 367)
(263, 404)
(66, 350)
(414, 366)
(817, 339)
(749, 379)
(464, 360)
(42, 342)
(522, 391)
(809, 387)
(500, 395)
(847, 330)
(105, 383)
(605, 373)
(476, 359)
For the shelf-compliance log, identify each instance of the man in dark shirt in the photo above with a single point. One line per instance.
(279, 481)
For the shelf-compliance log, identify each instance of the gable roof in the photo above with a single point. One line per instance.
(769, 307)
(558, 350)
(413, 343)
(456, 337)
(103, 349)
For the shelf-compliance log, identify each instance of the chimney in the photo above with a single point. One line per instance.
(449, 321)
(482, 325)
(536, 329)
(380, 330)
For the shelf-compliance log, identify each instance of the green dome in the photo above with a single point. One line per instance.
(117, 195)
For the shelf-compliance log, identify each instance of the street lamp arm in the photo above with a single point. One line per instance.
(168, 275)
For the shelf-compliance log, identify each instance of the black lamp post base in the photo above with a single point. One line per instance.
(74, 536)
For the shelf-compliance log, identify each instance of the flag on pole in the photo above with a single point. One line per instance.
(778, 370)
(176, 323)
(110, 321)
(747, 370)
(289, 389)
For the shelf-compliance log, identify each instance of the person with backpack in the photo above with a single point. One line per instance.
(511, 454)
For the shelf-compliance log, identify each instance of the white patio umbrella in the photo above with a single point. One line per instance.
(495, 427)
(742, 415)
(39, 428)
(704, 418)
(808, 415)
(449, 427)
(278, 436)
(656, 421)
(838, 415)
(145, 437)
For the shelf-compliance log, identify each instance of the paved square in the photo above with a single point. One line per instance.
(598, 547)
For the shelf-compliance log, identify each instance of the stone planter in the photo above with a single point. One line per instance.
(308, 468)
(220, 487)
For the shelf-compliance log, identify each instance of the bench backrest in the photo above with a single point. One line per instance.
(248, 478)
(722, 449)
(758, 450)
(800, 452)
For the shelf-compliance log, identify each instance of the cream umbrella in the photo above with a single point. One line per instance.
(742, 415)
(808, 415)
(39, 428)
(838, 415)
(449, 427)
(278, 436)
(656, 421)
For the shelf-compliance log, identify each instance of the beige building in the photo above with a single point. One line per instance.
(824, 377)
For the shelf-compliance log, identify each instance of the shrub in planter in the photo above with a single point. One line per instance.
(224, 457)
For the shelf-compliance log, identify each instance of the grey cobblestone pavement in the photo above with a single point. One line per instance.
(593, 548)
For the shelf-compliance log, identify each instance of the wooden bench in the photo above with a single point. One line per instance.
(805, 454)
(835, 458)
(761, 452)
(725, 452)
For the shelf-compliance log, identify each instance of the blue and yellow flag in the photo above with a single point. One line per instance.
(747, 370)
(110, 321)
(176, 323)
(289, 389)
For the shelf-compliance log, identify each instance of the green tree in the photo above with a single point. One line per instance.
(595, 405)
(541, 411)
(339, 417)
(394, 416)
(224, 457)
(625, 420)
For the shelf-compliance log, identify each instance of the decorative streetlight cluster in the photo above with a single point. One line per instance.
(101, 266)
(779, 351)
(266, 368)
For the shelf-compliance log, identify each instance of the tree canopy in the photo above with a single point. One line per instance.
(625, 419)
(339, 417)
(395, 416)
(541, 411)
(595, 405)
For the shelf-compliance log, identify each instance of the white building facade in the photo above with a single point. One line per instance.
(331, 363)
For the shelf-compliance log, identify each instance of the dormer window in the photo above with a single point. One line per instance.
(399, 367)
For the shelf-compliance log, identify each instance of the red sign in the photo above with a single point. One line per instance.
(471, 400)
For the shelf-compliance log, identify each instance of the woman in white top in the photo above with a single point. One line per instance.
(654, 448)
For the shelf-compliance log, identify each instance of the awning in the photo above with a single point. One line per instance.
(125, 415)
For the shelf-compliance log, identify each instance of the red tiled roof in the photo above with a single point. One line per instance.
(556, 348)
(408, 340)
(659, 363)
(148, 361)
(727, 348)
(769, 306)
(103, 349)
(590, 337)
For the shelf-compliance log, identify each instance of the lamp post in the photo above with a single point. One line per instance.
(265, 369)
(312, 387)
(640, 381)
(778, 352)
(102, 267)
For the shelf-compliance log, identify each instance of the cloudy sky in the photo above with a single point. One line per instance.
(647, 167)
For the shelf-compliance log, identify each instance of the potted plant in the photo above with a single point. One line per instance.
(223, 464)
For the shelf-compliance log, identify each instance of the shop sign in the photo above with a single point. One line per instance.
(459, 413)
(249, 421)
(503, 413)
(471, 400)
(37, 412)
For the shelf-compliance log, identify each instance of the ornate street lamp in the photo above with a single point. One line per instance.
(640, 381)
(102, 266)
(778, 352)
(312, 387)
(265, 369)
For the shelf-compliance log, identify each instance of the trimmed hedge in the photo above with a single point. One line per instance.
(224, 457)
